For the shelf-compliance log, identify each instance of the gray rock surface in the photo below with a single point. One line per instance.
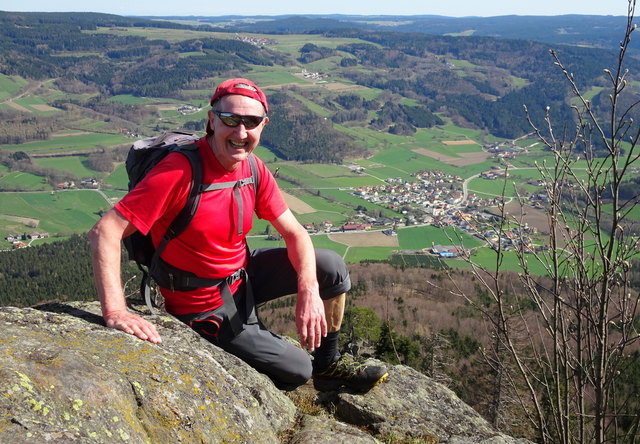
(65, 377)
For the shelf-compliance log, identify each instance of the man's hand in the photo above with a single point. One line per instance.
(310, 319)
(132, 324)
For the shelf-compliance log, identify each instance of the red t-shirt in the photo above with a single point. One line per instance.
(210, 247)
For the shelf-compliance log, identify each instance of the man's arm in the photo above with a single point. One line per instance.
(105, 238)
(310, 317)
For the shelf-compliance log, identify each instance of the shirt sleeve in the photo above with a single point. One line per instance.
(160, 196)
(270, 203)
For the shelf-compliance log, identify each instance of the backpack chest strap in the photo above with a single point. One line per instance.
(236, 185)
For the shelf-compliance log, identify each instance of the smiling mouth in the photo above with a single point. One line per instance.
(238, 144)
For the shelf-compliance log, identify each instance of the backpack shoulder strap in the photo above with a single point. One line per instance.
(253, 164)
(182, 220)
(184, 217)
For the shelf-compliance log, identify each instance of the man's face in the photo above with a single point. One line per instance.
(232, 145)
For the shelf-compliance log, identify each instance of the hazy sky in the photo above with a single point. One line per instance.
(361, 7)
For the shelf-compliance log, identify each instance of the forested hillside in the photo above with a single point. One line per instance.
(60, 271)
(479, 82)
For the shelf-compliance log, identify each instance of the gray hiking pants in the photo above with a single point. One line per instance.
(271, 276)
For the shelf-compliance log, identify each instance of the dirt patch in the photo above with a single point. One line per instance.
(532, 216)
(464, 159)
(28, 221)
(434, 155)
(470, 158)
(371, 239)
(340, 87)
(459, 142)
(296, 205)
(44, 108)
(19, 107)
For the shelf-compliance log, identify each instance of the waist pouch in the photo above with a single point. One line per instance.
(207, 325)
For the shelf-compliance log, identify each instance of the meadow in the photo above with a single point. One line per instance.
(65, 143)
(10, 85)
(59, 213)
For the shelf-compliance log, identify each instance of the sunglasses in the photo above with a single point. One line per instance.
(233, 120)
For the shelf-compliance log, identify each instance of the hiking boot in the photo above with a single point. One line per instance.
(349, 373)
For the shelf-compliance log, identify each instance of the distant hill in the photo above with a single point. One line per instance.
(596, 31)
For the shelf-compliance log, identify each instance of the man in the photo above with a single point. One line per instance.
(214, 246)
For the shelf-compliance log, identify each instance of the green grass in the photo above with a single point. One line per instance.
(491, 188)
(18, 180)
(118, 178)
(58, 212)
(634, 213)
(519, 82)
(75, 165)
(262, 242)
(319, 241)
(406, 161)
(318, 202)
(70, 143)
(128, 99)
(486, 258)
(415, 238)
(266, 78)
(29, 102)
(380, 174)
(170, 35)
(321, 216)
(462, 63)
(10, 85)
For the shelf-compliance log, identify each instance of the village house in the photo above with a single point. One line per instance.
(36, 235)
(66, 185)
(90, 183)
(355, 227)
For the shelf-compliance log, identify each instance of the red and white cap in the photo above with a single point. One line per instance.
(243, 87)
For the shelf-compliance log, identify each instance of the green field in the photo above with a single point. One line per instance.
(64, 212)
(65, 143)
(128, 99)
(18, 180)
(75, 165)
(10, 85)
(415, 238)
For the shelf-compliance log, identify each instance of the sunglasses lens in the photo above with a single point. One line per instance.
(234, 120)
(251, 121)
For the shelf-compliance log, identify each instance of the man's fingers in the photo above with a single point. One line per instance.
(137, 327)
(311, 334)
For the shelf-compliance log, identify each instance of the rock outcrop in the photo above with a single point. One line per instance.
(65, 377)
